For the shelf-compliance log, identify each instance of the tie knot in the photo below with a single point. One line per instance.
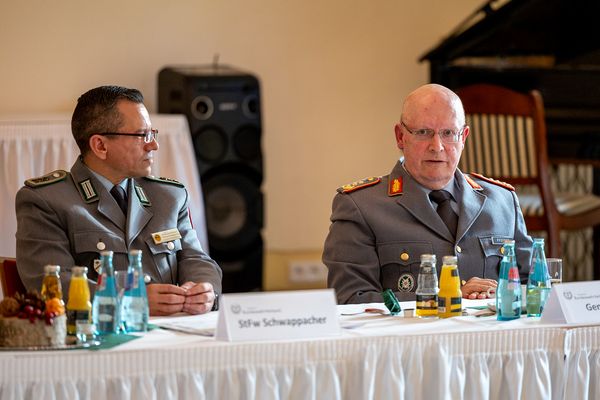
(439, 196)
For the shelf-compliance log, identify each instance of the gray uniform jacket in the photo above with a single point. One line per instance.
(378, 234)
(68, 222)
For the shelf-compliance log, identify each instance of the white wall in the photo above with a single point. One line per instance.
(333, 75)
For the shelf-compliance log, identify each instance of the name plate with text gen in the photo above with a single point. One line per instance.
(573, 303)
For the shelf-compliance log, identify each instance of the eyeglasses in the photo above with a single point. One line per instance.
(148, 136)
(446, 135)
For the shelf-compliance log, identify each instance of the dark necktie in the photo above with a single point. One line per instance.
(444, 209)
(120, 196)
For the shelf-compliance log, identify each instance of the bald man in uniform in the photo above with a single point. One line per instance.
(380, 226)
(109, 201)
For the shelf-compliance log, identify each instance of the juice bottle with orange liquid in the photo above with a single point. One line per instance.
(450, 295)
(79, 307)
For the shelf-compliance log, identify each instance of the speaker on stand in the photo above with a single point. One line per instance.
(222, 106)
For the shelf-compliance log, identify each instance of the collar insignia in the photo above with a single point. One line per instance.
(395, 186)
(139, 191)
(87, 191)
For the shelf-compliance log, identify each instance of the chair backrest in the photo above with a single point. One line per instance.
(507, 141)
(9, 277)
(508, 134)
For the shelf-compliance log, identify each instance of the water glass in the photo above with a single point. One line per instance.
(554, 270)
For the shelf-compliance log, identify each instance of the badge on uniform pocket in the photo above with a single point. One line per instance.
(406, 282)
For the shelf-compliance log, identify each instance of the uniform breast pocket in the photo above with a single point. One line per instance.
(165, 258)
(89, 244)
(97, 241)
(400, 264)
(492, 251)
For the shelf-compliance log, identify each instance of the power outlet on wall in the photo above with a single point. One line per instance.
(307, 271)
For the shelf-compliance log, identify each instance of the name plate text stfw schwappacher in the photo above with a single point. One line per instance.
(277, 315)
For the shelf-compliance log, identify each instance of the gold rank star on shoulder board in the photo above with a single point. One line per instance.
(363, 183)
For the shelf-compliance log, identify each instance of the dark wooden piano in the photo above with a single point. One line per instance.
(549, 45)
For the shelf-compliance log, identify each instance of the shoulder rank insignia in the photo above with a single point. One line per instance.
(473, 184)
(164, 180)
(363, 183)
(52, 177)
(494, 181)
(395, 186)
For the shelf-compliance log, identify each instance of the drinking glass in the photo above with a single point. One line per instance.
(123, 284)
(555, 270)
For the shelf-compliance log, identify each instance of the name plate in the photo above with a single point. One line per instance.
(573, 303)
(277, 315)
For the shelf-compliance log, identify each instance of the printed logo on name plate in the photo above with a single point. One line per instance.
(236, 308)
(568, 295)
(406, 282)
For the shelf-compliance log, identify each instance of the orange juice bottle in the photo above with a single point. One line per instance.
(51, 287)
(79, 307)
(450, 295)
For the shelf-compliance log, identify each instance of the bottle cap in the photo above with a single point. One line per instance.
(428, 258)
(79, 270)
(52, 269)
(450, 260)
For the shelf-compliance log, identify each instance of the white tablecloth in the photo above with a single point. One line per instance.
(33, 146)
(384, 358)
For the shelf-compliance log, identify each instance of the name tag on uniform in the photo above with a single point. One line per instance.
(166, 236)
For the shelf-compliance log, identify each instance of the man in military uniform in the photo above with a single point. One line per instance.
(381, 226)
(108, 201)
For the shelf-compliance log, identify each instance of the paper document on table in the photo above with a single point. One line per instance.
(203, 325)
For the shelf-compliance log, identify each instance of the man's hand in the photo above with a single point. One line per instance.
(477, 288)
(165, 299)
(200, 297)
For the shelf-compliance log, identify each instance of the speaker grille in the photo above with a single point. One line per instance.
(210, 144)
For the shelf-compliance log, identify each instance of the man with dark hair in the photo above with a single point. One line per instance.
(109, 201)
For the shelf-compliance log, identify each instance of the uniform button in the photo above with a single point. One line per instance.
(404, 256)
(147, 278)
(502, 250)
(170, 246)
(100, 246)
(458, 249)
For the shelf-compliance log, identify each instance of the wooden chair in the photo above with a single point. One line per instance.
(9, 277)
(508, 142)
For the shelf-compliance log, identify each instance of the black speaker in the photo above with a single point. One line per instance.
(222, 106)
